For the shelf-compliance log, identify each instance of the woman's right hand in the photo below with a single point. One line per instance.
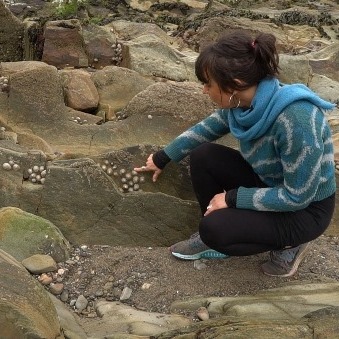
(150, 166)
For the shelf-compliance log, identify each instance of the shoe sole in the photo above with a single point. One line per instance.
(208, 254)
(294, 267)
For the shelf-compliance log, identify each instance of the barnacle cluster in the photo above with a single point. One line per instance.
(129, 180)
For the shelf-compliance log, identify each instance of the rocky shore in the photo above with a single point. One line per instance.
(87, 90)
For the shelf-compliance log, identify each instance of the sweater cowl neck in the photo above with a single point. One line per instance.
(270, 99)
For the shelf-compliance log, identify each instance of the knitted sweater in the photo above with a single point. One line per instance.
(286, 139)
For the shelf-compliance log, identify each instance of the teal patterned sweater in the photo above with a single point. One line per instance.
(286, 139)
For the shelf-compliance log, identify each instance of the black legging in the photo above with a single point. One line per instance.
(239, 232)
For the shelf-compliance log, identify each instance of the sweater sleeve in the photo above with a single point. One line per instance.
(305, 153)
(210, 129)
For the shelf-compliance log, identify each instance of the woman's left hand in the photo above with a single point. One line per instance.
(216, 203)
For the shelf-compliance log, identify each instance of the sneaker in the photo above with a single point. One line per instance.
(194, 249)
(284, 263)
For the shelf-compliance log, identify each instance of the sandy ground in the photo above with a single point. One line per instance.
(157, 279)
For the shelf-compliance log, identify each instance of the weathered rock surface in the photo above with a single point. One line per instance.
(12, 31)
(291, 312)
(23, 234)
(26, 310)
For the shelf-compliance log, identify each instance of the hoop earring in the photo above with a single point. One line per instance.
(231, 98)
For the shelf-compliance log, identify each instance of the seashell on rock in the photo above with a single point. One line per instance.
(36, 169)
(41, 168)
(202, 313)
(11, 162)
(106, 162)
(43, 173)
(16, 167)
(135, 179)
(29, 171)
(136, 187)
(128, 176)
(104, 167)
(122, 171)
(6, 166)
(42, 181)
(109, 171)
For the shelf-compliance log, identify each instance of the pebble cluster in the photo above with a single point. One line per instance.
(11, 165)
(117, 53)
(130, 180)
(4, 87)
(79, 121)
(37, 174)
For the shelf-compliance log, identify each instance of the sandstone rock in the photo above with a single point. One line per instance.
(23, 234)
(117, 86)
(98, 41)
(287, 312)
(12, 30)
(64, 44)
(25, 308)
(40, 263)
(79, 90)
(149, 55)
(119, 318)
(69, 321)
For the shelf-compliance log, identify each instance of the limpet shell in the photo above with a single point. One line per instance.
(16, 167)
(6, 166)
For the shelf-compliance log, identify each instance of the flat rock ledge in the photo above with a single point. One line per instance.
(295, 311)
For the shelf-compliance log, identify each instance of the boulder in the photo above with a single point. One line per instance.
(64, 44)
(26, 310)
(117, 86)
(99, 42)
(11, 37)
(79, 90)
(23, 234)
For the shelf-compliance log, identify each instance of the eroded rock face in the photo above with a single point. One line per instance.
(64, 44)
(26, 311)
(23, 234)
(12, 31)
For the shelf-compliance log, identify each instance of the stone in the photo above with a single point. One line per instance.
(40, 263)
(79, 90)
(12, 30)
(23, 234)
(25, 307)
(64, 44)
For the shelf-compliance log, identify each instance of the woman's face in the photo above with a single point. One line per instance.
(217, 95)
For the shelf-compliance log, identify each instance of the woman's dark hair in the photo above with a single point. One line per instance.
(238, 56)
